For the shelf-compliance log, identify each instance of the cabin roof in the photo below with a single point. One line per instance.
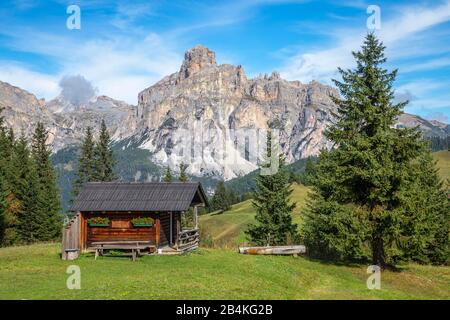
(132, 196)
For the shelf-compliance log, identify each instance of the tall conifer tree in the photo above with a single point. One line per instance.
(183, 176)
(359, 206)
(8, 203)
(220, 200)
(273, 206)
(30, 216)
(104, 157)
(86, 162)
(48, 201)
(168, 175)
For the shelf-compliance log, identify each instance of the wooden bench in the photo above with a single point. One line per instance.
(134, 248)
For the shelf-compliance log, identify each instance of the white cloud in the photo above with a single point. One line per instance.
(396, 32)
(41, 85)
(119, 66)
(428, 65)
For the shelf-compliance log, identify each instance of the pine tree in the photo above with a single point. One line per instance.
(8, 204)
(358, 209)
(48, 201)
(307, 177)
(26, 189)
(271, 201)
(3, 208)
(183, 176)
(168, 175)
(220, 200)
(86, 162)
(104, 157)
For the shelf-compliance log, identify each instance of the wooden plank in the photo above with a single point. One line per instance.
(157, 231)
(275, 250)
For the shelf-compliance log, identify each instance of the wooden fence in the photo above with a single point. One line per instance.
(188, 240)
(70, 248)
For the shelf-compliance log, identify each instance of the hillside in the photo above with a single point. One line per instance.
(443, 163)
(37, 272)
(227, 229)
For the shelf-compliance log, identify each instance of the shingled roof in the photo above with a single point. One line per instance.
(151, 196)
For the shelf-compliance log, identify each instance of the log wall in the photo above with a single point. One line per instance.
(121, 228)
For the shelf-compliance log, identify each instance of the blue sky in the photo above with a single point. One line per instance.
(126, 46)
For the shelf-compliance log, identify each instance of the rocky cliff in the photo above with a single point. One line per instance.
(65, 122)
(215, 102)
(206, 104)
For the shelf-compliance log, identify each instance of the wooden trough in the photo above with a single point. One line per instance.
(274, 250)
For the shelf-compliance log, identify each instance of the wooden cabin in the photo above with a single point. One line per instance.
(113, 212)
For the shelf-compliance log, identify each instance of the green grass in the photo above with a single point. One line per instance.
(443, 163)
(36, 272)
(226, 230)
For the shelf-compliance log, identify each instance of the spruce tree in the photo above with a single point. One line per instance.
(220, 200)
(168, 175)
(8, 203)
(48, 201)
(307, 177)
(3, 188)
(3, 208)
(30, 216)
(361, 187)
(183, 176)
(273, 206)
(86, 162)
(104, 157)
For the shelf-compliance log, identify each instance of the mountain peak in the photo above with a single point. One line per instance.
(195, 59)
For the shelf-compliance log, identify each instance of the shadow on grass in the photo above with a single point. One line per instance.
(353, 264)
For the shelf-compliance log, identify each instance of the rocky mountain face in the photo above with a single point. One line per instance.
(217, 104)
(205, 115)
(65, 122)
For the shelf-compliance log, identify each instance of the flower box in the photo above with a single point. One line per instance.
(142, 222)
(142, 225)
(98, 224)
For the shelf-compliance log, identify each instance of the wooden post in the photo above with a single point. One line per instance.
(82, 241)
(178, 229)
(171, 229)
(158, 230)
(196, 216)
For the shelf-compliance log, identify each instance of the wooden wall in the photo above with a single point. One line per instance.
(165, 227)
(71, 236)
(164, 219)
(120, 229)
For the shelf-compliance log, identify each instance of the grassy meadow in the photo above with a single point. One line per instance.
(37, 272)
(226, 230)
(443, 163)
(216, 271)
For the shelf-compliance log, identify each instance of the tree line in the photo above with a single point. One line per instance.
(96, 160)
(439, 143)
(376, 196)
(29, 197)
(183, 177)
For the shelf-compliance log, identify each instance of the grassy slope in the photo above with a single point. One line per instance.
(227, 229)
(36, 272)
(443, 163)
